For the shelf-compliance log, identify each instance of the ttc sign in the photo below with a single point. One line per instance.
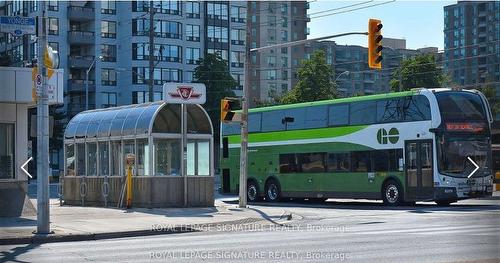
(185, 93)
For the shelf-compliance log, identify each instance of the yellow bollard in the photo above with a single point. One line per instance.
(129, 186)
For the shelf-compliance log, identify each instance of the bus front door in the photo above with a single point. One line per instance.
(418, 170)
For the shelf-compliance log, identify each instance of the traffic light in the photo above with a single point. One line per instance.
(375, 44)
(226, 107)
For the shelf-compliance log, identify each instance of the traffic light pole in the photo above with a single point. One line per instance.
(244, 114)
(42, 159)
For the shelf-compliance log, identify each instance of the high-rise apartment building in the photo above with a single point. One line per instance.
(350, 63)
(110, 40)
(472, 43)
(274, 71)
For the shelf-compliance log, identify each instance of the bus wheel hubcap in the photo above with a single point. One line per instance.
(392, 194)
(272, 192)
(252, 192)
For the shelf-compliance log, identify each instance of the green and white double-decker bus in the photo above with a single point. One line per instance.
(419, 145)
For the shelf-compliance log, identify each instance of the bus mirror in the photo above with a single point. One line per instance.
(433, 130)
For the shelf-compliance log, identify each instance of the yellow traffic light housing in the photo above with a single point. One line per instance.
(375, 44)
(226, 107)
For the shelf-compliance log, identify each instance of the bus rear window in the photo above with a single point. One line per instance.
(460, 106)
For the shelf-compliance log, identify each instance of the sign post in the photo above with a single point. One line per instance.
(18, 26)
(184, 93)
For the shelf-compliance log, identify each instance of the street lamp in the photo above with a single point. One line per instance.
(343, 73)
(87, 81)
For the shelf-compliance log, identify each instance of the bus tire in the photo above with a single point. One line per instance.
(253, 194)
(273, 190)
(392, 193)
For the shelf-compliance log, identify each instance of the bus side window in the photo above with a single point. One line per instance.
(225, 147)
(288, 163)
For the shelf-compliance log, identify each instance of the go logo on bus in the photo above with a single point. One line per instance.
(392, 136)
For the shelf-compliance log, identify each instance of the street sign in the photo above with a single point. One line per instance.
(18, 26)
(185, 93)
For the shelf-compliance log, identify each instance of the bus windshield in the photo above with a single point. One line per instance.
(453, 153)
(460, 106)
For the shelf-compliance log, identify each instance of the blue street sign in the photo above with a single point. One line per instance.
(18, 26)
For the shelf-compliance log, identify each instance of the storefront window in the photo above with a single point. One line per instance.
(167, 155)
(6, 151)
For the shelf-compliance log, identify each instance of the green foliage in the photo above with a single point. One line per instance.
(315, 81)
(213, 71)
(420, 71)
(490, 94)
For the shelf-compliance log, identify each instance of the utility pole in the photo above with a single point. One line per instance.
(42, 158)
(244, 113)
(151, 50)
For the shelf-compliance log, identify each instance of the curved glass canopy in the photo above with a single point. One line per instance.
(136, 120)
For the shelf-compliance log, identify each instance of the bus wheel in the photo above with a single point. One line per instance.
(272, 191)
(392, 193)
(252, 192)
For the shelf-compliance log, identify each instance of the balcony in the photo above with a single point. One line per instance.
(80, 61)
(81, 13)
(81, 37)
(78, 85)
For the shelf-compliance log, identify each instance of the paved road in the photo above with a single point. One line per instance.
(331, 232)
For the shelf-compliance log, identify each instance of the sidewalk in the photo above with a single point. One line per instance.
(72, 223)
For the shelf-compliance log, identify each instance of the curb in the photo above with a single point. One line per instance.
(41, 239)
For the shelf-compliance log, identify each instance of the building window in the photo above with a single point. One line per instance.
(284, 21)
(54, 45)
(140, 75)
(238, 14)
(217, 34)
(108, 77)
(240, 80)
(163, 28)
(271, 74)
(284, 35)
(53, 5)
(108, 53)
(165, 7)
(170, 53)
(108, 29)
(108, 99)
(271, 61)
(108, 7)
(220, 52)
(217, 11)
(238, 36)
(189, 76)
(192, 55)
(237, 59)
(143, 96)
(193, 33)
(193, 9)
(7, 145)
(271, 20)
(53, 26)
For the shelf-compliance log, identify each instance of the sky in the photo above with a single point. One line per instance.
(419, 22)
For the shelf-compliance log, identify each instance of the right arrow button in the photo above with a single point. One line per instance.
(475, 164)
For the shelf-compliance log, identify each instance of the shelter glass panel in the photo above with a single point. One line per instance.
(116, 156)
(117, 123)
(198, 121)
(168, 120)
(131, 121)
(167, 157)
(81, 130)
(103, 158)
(105, 124)
(70, 159)
(92, 158)
(144, 121)
(142, 157)
(80, 159)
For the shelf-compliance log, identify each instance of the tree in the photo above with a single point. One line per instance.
(489, 92)
(420, 71)
(5, 60)
(315, 81)
(213, 71)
